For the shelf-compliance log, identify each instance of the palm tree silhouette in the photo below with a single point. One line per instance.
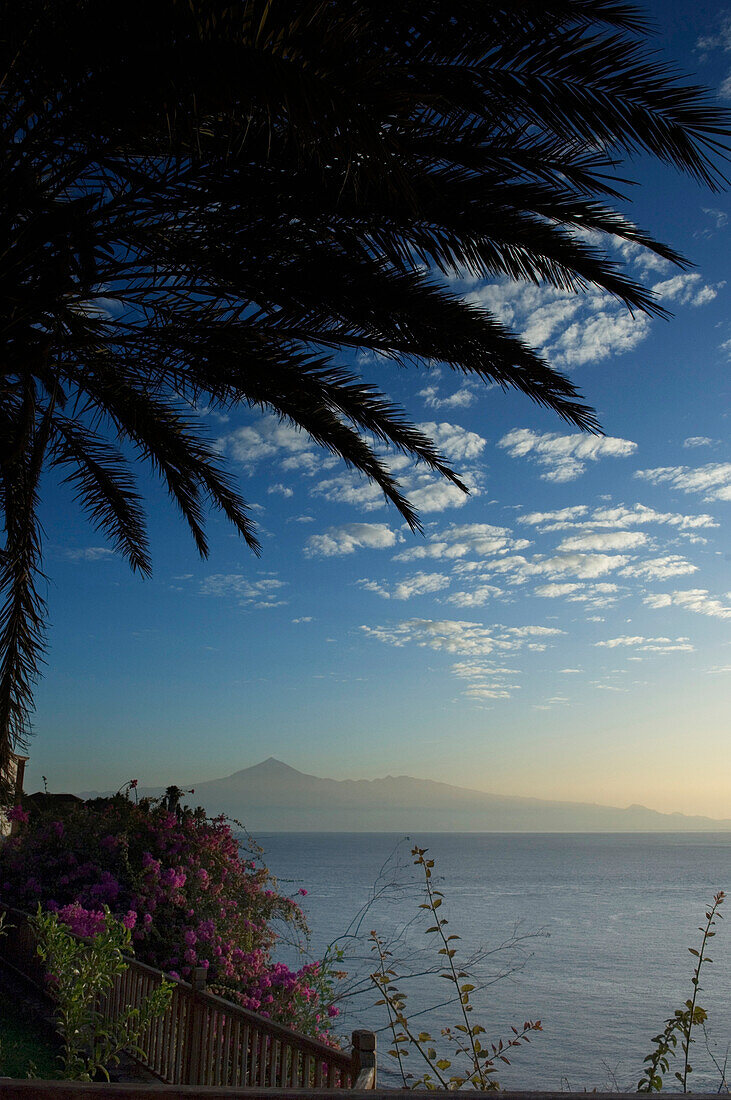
(217, 203)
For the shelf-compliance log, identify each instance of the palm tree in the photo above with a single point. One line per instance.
(221, 203)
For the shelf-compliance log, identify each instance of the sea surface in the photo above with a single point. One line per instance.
(587, 932)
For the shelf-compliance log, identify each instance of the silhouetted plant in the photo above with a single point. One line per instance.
(679, 1026)
(479, 1060)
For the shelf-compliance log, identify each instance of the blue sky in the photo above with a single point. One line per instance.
(562, 632)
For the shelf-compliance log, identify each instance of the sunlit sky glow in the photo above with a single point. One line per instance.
(562, 632)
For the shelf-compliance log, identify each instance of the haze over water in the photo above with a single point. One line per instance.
(620, 912)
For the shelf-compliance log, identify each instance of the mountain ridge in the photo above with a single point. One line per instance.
(276, 797)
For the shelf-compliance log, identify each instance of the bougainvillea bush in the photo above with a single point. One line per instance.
(181, 883)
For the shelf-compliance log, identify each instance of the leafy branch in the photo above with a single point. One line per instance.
(680, 1025)
(481, 1060)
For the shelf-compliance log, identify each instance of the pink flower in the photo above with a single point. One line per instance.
(17, 813)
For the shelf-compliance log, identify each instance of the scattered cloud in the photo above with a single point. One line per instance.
(601, 594)
(419, 584)
(565, 456)
(603, 541)
(619, 517)
(350, 488)
(699, 441)
(90, 553)
(608, 332)
(715, 40)
(649, 645)
(432, 494)
(659, 569)
(455, 443)
(262, 593)
(304, 619)
(459, 637)
(687, 290)
(712, 480)
(282, 490)
(570, 329)
(690, 599)
(478, 597)
(264, 439)
(463, 540)
(350, 537)
(460, 399)
(519, 569)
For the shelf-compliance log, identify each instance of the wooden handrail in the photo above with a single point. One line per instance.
(276, 1030)
(205, 1040)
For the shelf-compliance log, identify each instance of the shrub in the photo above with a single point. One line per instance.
(180, 884)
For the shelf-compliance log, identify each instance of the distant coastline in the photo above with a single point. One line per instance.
(273, 797)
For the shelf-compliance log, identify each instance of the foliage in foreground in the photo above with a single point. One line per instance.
(179, 883)
(477, 1062)
(473, 1062)
(680, 1025)
(80, 972)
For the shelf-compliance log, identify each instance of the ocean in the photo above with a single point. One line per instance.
(587, 932)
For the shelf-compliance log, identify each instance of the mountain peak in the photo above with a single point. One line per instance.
(271, 764)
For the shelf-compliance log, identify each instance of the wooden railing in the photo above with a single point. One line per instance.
(203, 1039)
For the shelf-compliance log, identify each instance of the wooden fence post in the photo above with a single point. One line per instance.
(364, 1059)
(194, 1028)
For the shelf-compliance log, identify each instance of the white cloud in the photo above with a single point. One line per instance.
(282, 490)
(477, 597)
(419, 584)
(247, 592)
(603, 541)
(454, 636)
(309, 463)
(649, 645)
(699, 441)
(568, 328)
(687, 290)
(690, 599)
(619, 517)
(264, 439)
(454, 442)
(713, 480)
(350, 537)
(601, 594)
(350, 488)
(460, 540)
(460, 399)
(609, 332)
(426, 491)
(557, 590)
(90, 553)
(432, 495)
(658, 569)
(563, 516)
(564, 455)
(483, 650)
(583, 566)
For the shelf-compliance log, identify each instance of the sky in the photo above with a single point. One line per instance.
(562, 632)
